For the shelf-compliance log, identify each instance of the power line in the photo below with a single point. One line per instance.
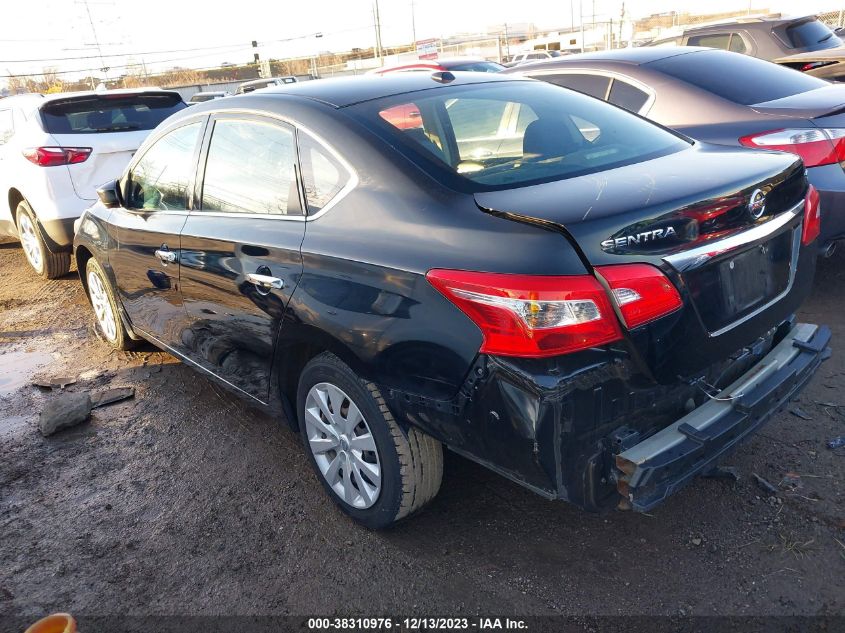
(181, 50)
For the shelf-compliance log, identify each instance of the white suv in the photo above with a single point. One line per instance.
(55, 150)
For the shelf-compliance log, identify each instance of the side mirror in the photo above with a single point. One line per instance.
(109, 194)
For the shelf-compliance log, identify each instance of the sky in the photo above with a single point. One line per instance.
(166, 33)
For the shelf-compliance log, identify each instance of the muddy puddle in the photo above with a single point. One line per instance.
(17, 367)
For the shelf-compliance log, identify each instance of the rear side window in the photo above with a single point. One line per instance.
(738, 78)
(109, 113)
(593, 85)
(160, 180)
(323, 175)
(627, 96)
(725, 41)
(813, 35)
(250, 169)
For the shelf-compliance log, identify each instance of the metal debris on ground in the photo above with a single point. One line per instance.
(764, 484)
(791, 481)
(799, 412)
(110, 396)
(53, 382)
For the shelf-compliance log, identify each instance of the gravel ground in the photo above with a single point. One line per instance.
(186, 501)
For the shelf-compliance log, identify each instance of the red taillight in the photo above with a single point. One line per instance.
(531, 316)
(642, 292)
(815, 146)
(53, 156)
(812, 216)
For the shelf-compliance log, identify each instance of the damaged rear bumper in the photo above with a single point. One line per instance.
(648, 472)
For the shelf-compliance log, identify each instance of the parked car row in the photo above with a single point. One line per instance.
(521, 268)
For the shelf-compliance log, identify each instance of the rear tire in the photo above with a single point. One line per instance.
(46, 263)
(392, 474)
(101, 295)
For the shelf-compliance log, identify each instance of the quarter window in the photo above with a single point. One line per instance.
(250, 169)
(160, 180)
(593, 85)
(323, 176)
(627, 96)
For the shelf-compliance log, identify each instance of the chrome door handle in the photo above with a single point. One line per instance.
(166, 256)
(265, 281)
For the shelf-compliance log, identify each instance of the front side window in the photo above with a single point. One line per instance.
(160, 180)
(500, 135)
(323, 175)
(250, 168)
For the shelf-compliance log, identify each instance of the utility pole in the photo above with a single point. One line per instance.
(103, 68)
(507, 42)
(377, 25)
(581, 20)
(413, 24)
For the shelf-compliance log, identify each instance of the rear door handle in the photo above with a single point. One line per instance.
(166, 256)
(265, 281)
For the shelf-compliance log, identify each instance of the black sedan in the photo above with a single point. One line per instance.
(590, 305)
(725, 98)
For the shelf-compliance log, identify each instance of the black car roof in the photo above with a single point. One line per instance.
(344, 91)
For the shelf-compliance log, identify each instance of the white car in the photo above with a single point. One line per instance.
(55, 150)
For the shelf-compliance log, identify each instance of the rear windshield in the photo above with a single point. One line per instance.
(813, 35)
(491, 136)
(738, 78)
(109, 113)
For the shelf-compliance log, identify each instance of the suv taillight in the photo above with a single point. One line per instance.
(815, 146)
(812, 216)
(531, 316)
(642, 292)
(54, 156)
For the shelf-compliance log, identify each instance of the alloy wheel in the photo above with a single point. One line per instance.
(343, 445)
(31, 243)
(102, 306)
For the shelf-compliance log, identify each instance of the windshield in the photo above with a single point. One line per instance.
(752, 80)
(491, 136)
(812, 35)
(109, 113)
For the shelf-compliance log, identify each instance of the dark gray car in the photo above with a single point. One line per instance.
(725, 98)
(806, 43)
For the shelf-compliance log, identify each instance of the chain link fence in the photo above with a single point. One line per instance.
(833, 19)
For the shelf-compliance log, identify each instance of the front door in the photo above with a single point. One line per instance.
(145, 258)
(240, 249)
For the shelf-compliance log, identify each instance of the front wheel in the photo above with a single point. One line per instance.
(376, 473)
(46, 263)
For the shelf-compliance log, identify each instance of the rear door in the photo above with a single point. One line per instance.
(241, 257)
(145, 258)
(113, 125)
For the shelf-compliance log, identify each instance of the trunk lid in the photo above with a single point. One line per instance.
(668, 212)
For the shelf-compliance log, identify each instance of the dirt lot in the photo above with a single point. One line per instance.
(185, 501)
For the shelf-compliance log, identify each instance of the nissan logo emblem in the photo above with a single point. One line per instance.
(757, 203)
